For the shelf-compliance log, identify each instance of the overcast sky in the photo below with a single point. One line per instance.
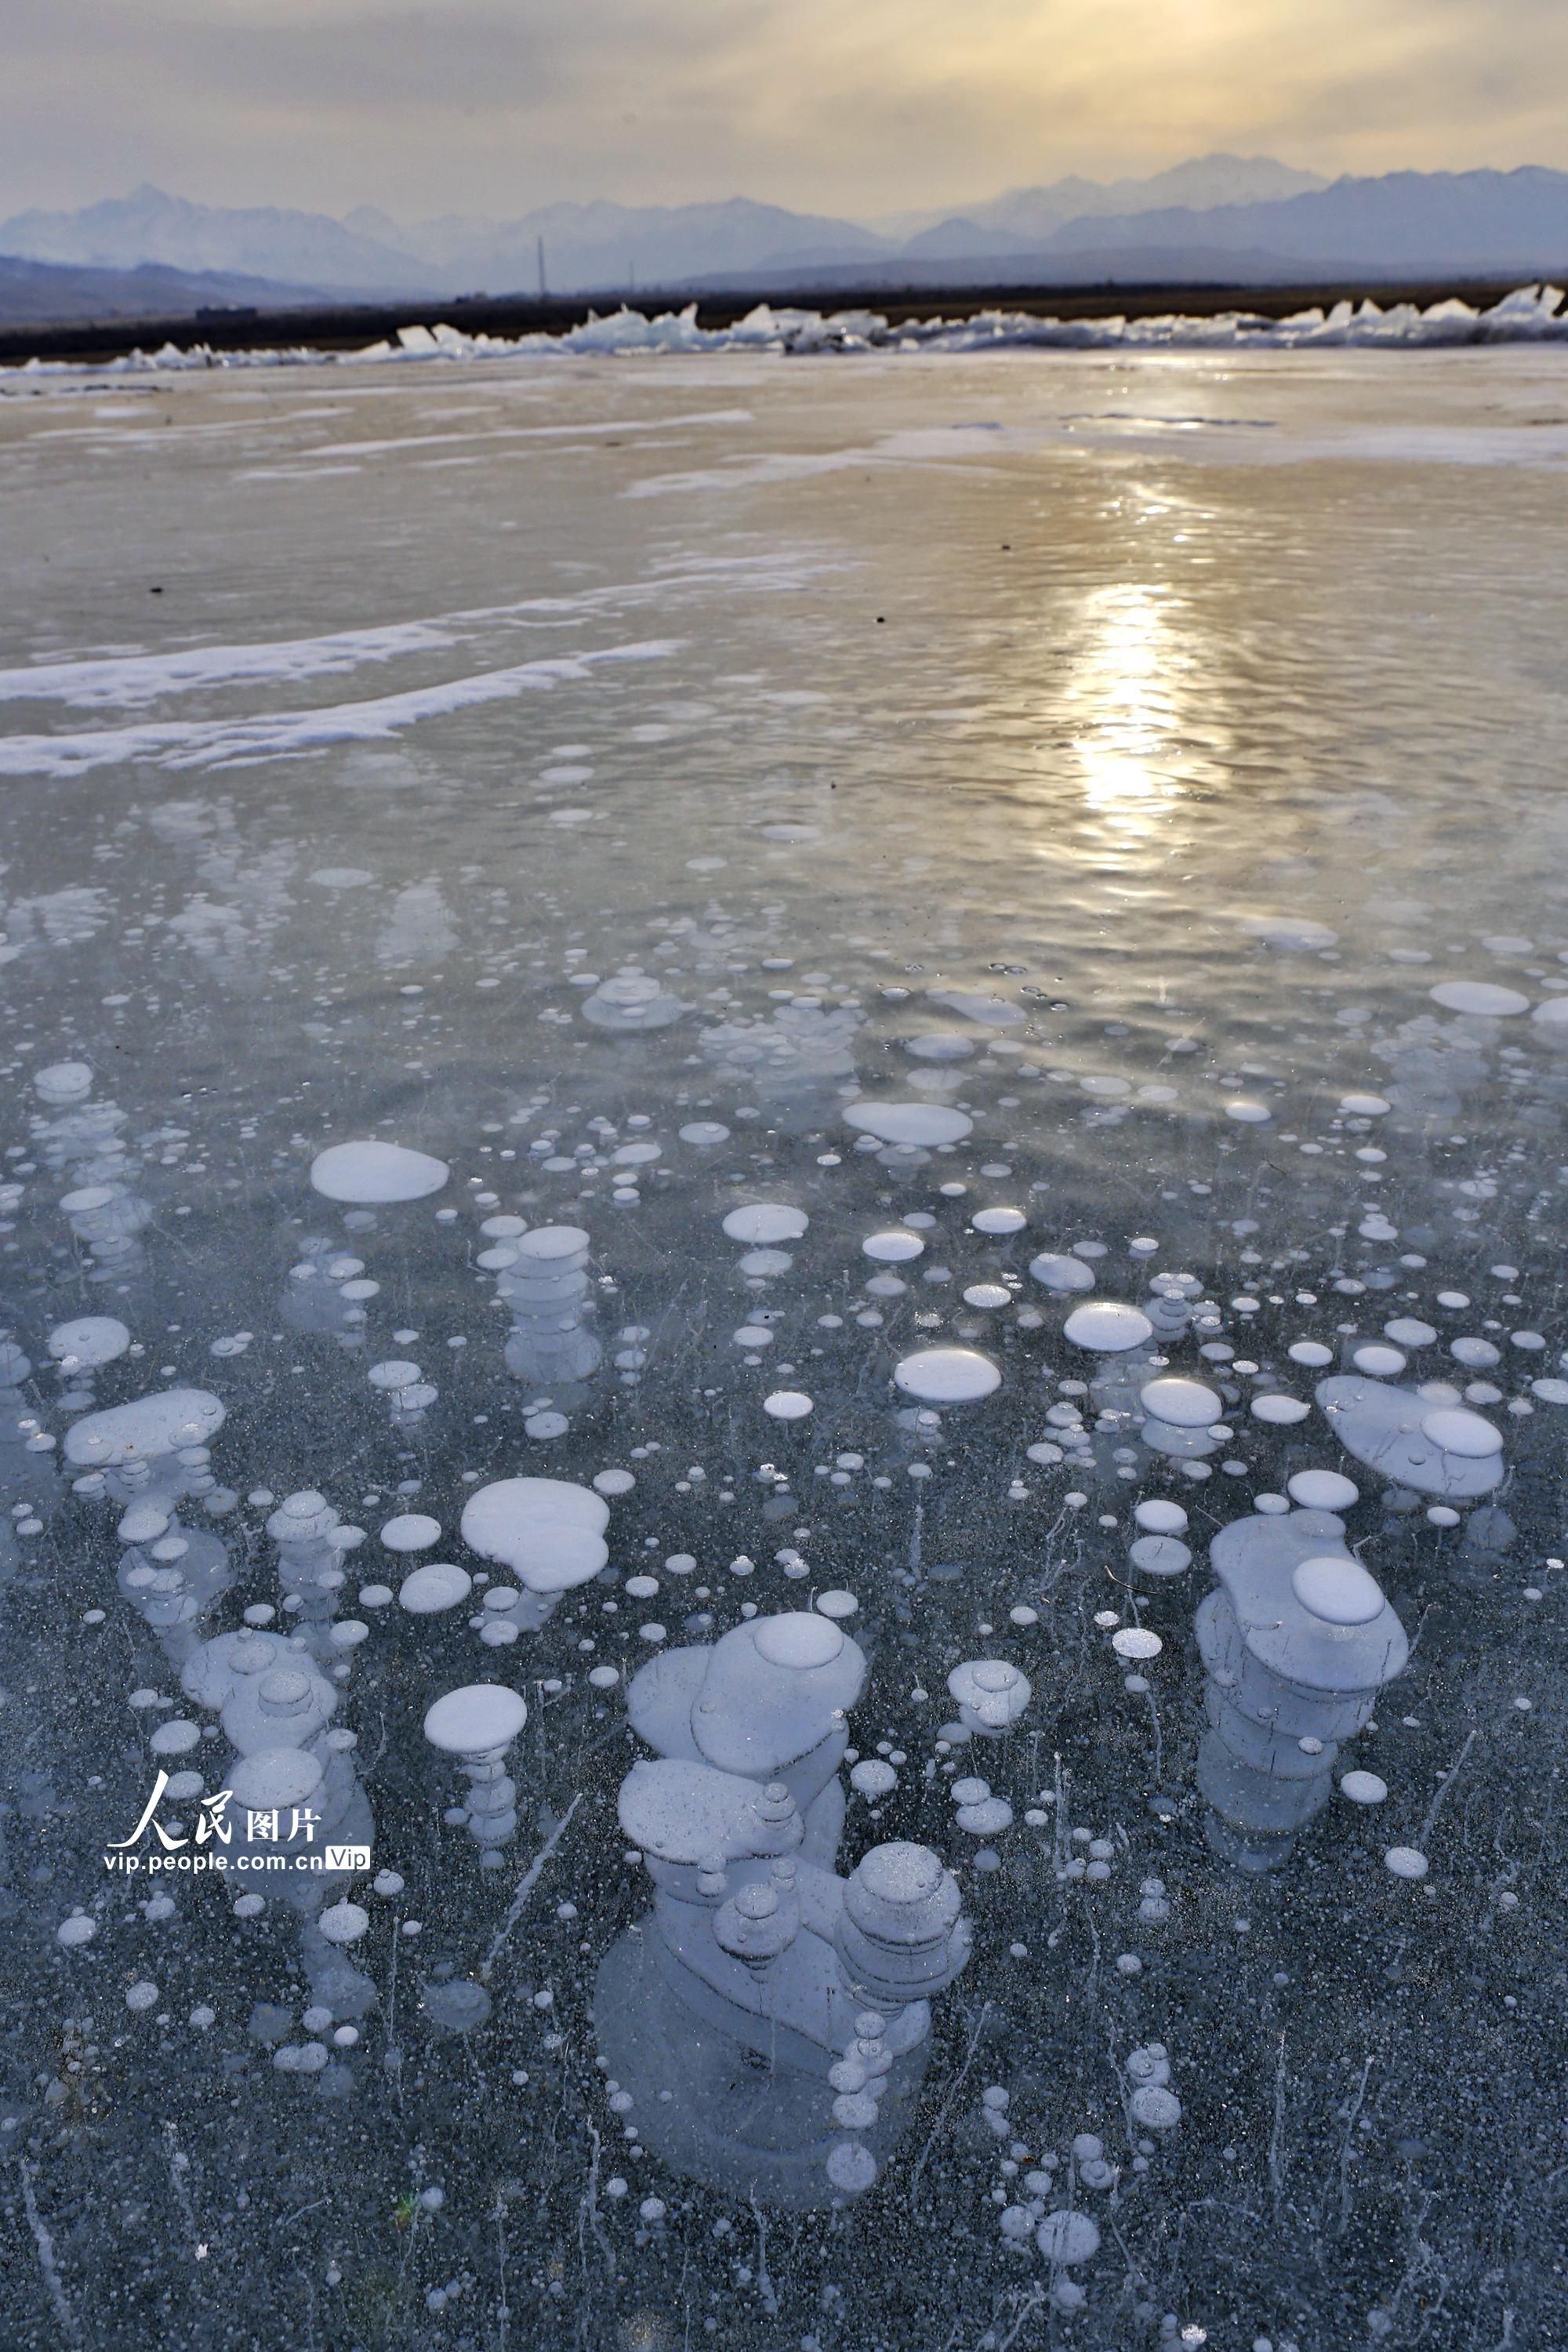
(857, 107)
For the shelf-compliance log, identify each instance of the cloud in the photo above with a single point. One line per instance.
(474, 105)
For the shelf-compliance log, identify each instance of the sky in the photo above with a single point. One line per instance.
(859, 108)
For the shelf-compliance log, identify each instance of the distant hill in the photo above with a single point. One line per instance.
(35, 292)
(1484, 221)
(1032, 213)
(303, 248)
(1234, 216)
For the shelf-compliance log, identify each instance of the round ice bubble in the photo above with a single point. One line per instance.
(1281, 1412)
(1136, 1642)
(767, 1220)
(1068, 2238)
(1406, 1862)
(999, 1221)
(1481, 997)
(372, 1172)
(705, 1132)
(893, 1247)
(410, 1531)
(947, 1375)
(1322, 1490)
(1337, 1590)
(1062, 1273)
(345, 1923)
(787, 1404)
(438, 1585)
(1161, 1518)
(1466, 1434)
(90, 1340)
(872, 1777)
(1185, 1404)
(987, 1296)
(1160, 1556)
(1247, 1112)
(473, 1721)
(1363, 1106)
(1310, 1351)
(1552, 1015)
(798, 1639)
(1381, 1363)
(1107, 1327)
(920, 1125)
(837, 1605)
(1363, 1788)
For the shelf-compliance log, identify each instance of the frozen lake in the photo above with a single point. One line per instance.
(938, 987)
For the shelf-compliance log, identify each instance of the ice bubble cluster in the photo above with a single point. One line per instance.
(763, 1946)
(1297, 1642)
(542, 1277)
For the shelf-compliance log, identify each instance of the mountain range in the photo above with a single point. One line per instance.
(1241, 216)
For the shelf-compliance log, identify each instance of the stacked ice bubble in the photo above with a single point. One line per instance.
(83, 1137)
(478, 1725)
(148, 1456)
(542, 1278)
(1297, 1642)
(755, 1943)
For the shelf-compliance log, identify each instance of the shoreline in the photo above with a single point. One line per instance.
(347, 327)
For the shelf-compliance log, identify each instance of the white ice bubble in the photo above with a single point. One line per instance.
(1481, 997)
(88, 1341)
(1406, 1862)
(477, 1720)
(345, 1923)
(767, 1220)
(614, 1481)
(1187, 1404)
(372, 1172)
(1107, 1327)
(1322, 1490)
(895, 1246)
(705, 1132)
(410, 1531)
(947, 1375)
(999, 1221)
(1161, 1518)
(1382, 1363)
(1337, 1590)
(872, 1777)
(787, 1404)
(1068, 2238)
(1458, 1431)
(1061, 1273)
(1280, 1412)
(1363, 1788)
(1136, 1642)
(1248, 1112)
(438, 1585)
(921, 1125)
(548, 1532)
(1363, 1106)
